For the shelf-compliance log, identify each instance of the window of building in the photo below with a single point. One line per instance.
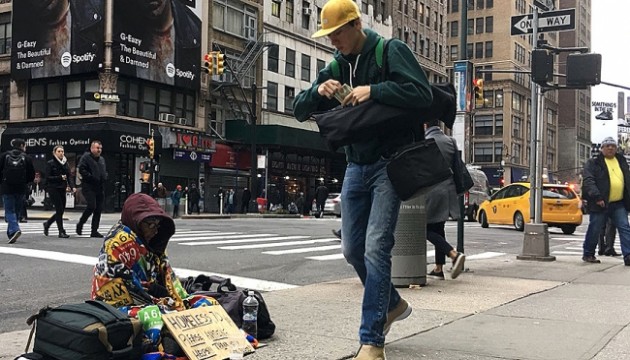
(428, 16)
(483, 125)
(471, 26)
(454, 31)
(215, 120)
(235, 17)
(454, 53)
(272, 58)
(488, 99)
(364, 6)
(551, 138)
(517, 127)
(272, 96)
(320, 65)
(478, 50)
(517, 101)
(306, 17)
(55, 97)
(469, 50)
(498, 151)
(414, 41)
(489, 24)
(435, 51)
(149, 103)
(519, 53)
(455, 6)
(5, 33)
(480, 4)
(479, 27)
(306, 68)
(421, 13)
(143, 99)
(471, 4)
(275, 9)
(441, 55)
(516, 153)
(289, 64)
(483, 152)
(289, 95)
(489, 50)
(498, 124)
(489, 4)
(290, 9)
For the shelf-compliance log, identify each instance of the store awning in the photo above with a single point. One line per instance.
(76, 135)
(239, 131)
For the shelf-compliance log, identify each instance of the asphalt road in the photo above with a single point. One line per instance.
(267, 254)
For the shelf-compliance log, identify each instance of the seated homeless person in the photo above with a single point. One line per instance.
(369, 204)
(133, 272)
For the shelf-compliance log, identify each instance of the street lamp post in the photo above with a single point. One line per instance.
(254, 165)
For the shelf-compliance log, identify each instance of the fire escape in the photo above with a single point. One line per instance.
(232, 91)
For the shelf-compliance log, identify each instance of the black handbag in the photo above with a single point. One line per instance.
(417, 166)
(461, 176)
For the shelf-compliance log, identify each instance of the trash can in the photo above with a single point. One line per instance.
(409, 255)
(262, 205)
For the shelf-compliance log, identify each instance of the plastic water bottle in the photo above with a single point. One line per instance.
(250, 314)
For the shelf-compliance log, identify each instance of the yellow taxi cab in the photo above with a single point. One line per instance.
(561, 207)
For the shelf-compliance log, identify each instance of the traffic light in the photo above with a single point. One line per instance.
(501, 181)
(208, 62)
(478, 87)
(145, 166)
(542, 66)
(151, 146)
(220, 63)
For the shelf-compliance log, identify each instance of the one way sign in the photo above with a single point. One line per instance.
(561, 20)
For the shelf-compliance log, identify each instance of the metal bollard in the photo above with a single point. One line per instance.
(409, 255)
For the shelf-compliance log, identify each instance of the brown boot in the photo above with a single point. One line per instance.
(370, 352)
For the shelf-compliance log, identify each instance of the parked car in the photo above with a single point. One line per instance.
(561, 207)
(479, 193)
(332, 206)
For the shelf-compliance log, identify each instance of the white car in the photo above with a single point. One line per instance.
(332, 206)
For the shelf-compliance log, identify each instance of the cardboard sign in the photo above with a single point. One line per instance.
(207, 333)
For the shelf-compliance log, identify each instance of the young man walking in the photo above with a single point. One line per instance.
(93, 176)
(606, 187)
(369, 204)
(16, 169)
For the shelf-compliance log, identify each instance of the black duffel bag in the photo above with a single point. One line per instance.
(417, 166)
(231, 299)
(92, 330)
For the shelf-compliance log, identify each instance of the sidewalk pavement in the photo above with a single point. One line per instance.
(502, 309)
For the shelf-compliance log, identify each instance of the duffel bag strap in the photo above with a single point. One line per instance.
(31, 321)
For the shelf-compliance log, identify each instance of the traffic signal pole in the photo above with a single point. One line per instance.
(463, 55)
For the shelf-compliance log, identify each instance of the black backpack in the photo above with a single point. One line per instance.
(14, 172)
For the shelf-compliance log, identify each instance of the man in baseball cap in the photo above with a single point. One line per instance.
(369, 203)
(335, 14)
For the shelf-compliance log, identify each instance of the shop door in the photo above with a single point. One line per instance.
(123, 176)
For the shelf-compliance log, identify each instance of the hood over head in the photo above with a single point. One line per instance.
(138, 207)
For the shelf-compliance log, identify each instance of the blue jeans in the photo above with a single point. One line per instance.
(369, 208)
(619, 217)
(12, 208)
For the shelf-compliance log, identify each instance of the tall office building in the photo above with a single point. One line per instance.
(574, 105)
(498, 131)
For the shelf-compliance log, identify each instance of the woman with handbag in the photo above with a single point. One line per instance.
(57, 184)
(442, 203)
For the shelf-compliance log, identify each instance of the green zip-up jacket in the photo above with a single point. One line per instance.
(406, 86)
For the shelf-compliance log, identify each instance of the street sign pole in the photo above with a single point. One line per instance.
(536, 236)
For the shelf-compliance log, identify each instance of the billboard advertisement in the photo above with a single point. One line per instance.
(158, 40)
(56, 38)
(604, 118)
(462, 71)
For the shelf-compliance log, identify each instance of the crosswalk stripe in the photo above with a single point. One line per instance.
(239, 236)
(484, 255)
(303, 250)
(566, 238)
(179, 236)
(566, 253)
(200, 233)
(326, 257)
(260, 246)
(221, 242)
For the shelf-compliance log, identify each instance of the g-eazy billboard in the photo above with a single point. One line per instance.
(158, 40)
(56, 37)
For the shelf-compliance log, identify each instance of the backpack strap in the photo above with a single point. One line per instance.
(380, 49)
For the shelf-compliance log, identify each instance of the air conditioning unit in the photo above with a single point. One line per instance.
(406, 29)
(379, 17)
(184, 121)
(166, 117)
(307, 11)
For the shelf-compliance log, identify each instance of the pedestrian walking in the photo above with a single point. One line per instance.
(442, 203)
(160, 193)
(58, 183)
(193, 198)
(321, 194)
(606, 187)
(16, 169)
(607, 240)
(369, 204)
(93, 177)
(229, 201)
(300, 203)
(246, 197)
(176, 197)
